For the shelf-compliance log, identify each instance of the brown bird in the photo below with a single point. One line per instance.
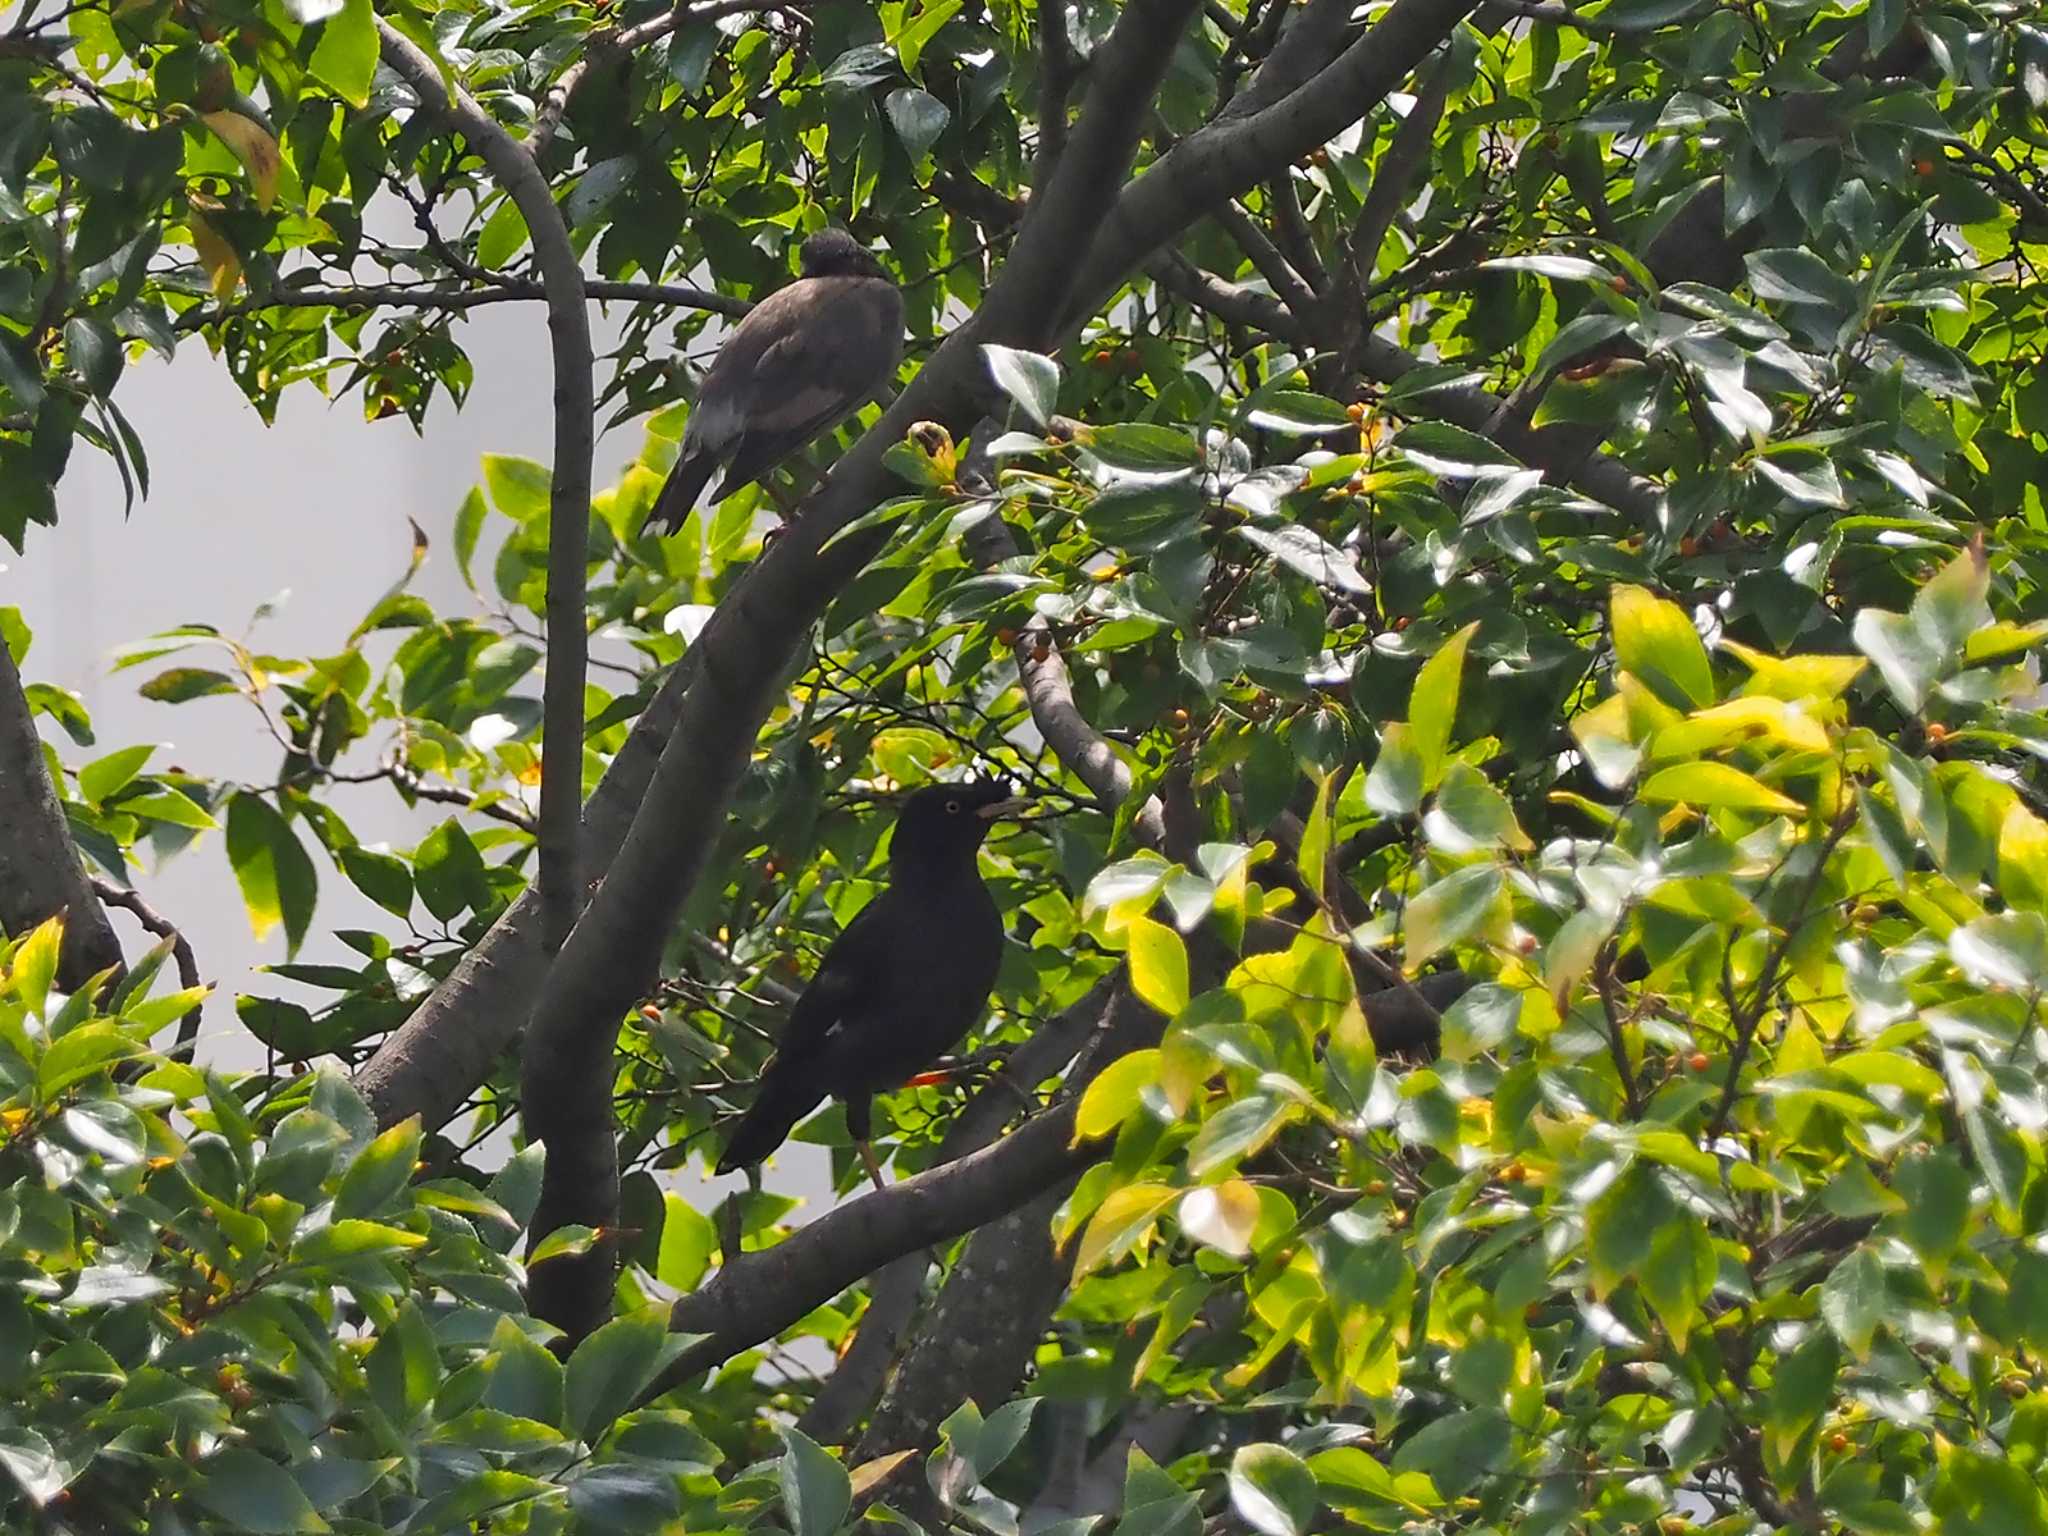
(804, 359)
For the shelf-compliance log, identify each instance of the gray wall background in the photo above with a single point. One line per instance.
(316, 507)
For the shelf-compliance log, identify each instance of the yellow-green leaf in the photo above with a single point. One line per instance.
(1656, 641)
(1159, 965)
(1113, 1094)
(1715, 786)
(1433, 704)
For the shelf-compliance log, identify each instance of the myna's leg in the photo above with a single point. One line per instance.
(860, 1122)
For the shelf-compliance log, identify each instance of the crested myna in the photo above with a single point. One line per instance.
(804, 359)
(898, 988)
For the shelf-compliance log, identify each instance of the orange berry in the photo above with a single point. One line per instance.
(1376, 1187)
(1838, 1441)
(1355, 410)
(1514, 1173)
(1923, 166)
(1688, 546)
(1699, 1061)
(1937, 733)
(1104, 358)
(1006, 637)
(1401, 623)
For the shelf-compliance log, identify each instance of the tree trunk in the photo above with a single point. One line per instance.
(40, 875)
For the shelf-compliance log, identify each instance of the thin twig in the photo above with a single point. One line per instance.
(130, 900)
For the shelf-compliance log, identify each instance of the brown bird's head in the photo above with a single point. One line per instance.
(835, 253)
(941, 825)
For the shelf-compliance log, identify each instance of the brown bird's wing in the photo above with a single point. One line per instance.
(844, 345)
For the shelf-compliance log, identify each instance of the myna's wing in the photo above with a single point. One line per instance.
(845, 344)
(851, 973)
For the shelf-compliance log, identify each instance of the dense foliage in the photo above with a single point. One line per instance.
(1572, 542)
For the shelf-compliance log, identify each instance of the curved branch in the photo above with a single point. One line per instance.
(131, 900)
(561, 784)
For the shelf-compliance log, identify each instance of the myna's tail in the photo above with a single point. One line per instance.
(783, 1100)
(679, 494)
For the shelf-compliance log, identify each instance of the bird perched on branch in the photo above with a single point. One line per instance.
(907, 978)
(804, 359)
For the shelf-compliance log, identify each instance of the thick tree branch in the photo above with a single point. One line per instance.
(1056, 70)
(749, 646)
(1238, 150)
(1288, 285)
(1313, 35)
(561, 785)
(40, 874)
(1393, 180)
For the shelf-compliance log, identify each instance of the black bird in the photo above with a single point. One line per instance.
(804, 359)
(908, 977)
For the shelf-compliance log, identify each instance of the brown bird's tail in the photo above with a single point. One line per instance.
(784, 1099)
(679, 494)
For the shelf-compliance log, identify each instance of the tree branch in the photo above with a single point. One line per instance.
(131, 900)
(40, 873)
(1238, 150)
(561, 785)
(409, 296)
(751, 643)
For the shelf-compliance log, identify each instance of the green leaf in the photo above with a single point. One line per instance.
(380, 876)
(179, 685)
(32, 1462)
(276, 876)
(1273, 1490)
(107, 775)
(816, 1492)
(1159, 965)
(918, 118)
(1029, 379)
(1471, 815)
(1802, 1387)
(1236, 1131)
(1307, 553)
(1394, 786)
(34, 965)
(609, 1368)
(1715, 786)
(346, 56)
(1854, 1301)
(1123, 1218)
(469, 518)
(519, 487)
(1295, 412)
(687, 1242)
(253, 1493)
(379, 1173)
(503, 236)
(1654, 640)
(1433, 705)
(404, 1365)
(343, 1240)
(1449, 911)
(449, 872)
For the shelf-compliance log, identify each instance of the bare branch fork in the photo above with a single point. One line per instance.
(561, 785)
(132, 901)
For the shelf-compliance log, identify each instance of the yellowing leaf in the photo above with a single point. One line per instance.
(1796, 677)
(1113, 1095)
(1222, 1215)
(1752, 718)
(1656, 641)
(1119, 1223)
(1159, 965)
(223, 266)
(1715, 786)
(254, 147)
